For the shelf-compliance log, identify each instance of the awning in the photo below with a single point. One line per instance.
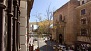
(82, 42)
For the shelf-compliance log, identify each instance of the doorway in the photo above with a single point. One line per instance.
(60, 38)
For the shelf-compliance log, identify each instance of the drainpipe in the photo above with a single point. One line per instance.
(2, 7)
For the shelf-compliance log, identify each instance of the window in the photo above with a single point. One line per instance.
(60, 17)
(84, 32)
(83, 20)
(83, 12)
(83, 2)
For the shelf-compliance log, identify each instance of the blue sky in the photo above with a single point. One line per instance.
(40, 6)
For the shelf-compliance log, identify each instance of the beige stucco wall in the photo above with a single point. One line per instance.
(71, 12)
(23, 25)
(88, 19)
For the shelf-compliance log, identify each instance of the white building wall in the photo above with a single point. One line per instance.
(23, 25)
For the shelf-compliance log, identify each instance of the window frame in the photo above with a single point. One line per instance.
(86, 31)
(83, 12)
(60, 17)
(83, 2)
(82, 22)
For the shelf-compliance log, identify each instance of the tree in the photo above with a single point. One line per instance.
(44, 24)
(49, 15)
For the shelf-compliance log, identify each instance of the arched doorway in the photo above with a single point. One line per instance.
(60, 38)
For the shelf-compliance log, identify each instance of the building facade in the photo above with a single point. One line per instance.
(9, 12)
(69, 23)
(83, 12)
(10, 24)
(64, 22)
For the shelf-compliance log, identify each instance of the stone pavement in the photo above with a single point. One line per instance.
(43, 46)
(46, 46)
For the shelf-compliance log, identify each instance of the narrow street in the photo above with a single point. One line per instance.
(43, 46)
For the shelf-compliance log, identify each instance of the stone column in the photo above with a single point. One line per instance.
(2, 7)
(10, 25)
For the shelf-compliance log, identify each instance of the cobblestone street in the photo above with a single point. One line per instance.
(44, 46)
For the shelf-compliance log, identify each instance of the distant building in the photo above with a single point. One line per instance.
(33, 26)
(72, 22)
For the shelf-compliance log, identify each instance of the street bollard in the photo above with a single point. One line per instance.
(37, 49)
(30, 48)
